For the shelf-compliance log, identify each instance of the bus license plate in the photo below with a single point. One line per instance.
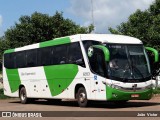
(135, 95)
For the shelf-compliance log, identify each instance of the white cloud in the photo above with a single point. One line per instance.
(0, 20)
(107, 13)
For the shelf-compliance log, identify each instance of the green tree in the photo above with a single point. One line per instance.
(41, 27)
(4, 44)
(38, 28)
(143, 25)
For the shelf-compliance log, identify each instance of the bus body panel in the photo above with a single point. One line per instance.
(7, 87)
(35, 81)
(28, 47)
(59, 81)
(122, 91)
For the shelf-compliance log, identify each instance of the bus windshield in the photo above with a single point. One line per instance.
(128, 62)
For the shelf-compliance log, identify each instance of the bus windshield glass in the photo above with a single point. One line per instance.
(128, 62)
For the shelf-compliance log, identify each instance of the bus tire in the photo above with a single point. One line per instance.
(81, 96)
(23, 95)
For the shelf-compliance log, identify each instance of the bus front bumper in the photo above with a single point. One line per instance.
(113, 94)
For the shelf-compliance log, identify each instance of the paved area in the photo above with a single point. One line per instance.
(43, 105)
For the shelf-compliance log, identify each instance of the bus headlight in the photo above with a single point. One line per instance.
(149, 86)
(115, 86)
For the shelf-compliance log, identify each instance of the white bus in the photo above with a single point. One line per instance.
(84, 67)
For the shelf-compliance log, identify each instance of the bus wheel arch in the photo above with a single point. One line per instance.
(81, 95)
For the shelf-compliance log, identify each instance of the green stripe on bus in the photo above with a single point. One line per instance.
(9, 51)
(13, 79)
(56, 41)
(59, 77)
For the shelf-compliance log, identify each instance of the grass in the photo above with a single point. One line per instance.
(2, 96)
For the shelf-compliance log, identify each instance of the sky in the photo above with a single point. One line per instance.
(107, 13)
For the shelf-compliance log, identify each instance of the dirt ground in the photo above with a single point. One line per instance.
(43, 105)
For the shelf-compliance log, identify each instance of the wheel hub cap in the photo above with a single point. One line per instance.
(82, 97)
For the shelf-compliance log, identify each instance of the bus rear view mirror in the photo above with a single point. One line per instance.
(105, 50)
(153, 53)
(154, 60)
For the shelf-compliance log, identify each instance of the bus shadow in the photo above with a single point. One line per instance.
(131, 104)
(96, 104)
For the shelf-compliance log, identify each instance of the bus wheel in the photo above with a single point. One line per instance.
(23, 95)
(82, 97)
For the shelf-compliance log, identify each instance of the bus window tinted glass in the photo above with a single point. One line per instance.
(60, 54)
(88, 43)
(20, 59)
(75, 54)
(31, 58)
(44, 56)
(9, 60)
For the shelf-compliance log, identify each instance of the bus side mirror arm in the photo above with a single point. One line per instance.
(102, 52)
(154, 63)
(155, 52)
(105, 51)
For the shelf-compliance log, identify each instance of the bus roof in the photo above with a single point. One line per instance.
(104, 38)
(108, 38)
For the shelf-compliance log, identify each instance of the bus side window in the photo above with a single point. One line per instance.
(9, 60)
(88, 43)
(75, 54)
(97, 62)
(44, 56)
(60, 54)
(31, 58)
(20, 59)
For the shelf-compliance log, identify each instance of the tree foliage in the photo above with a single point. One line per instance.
(4, 44)
(38, 28)
(143, 25)
(41, 27)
